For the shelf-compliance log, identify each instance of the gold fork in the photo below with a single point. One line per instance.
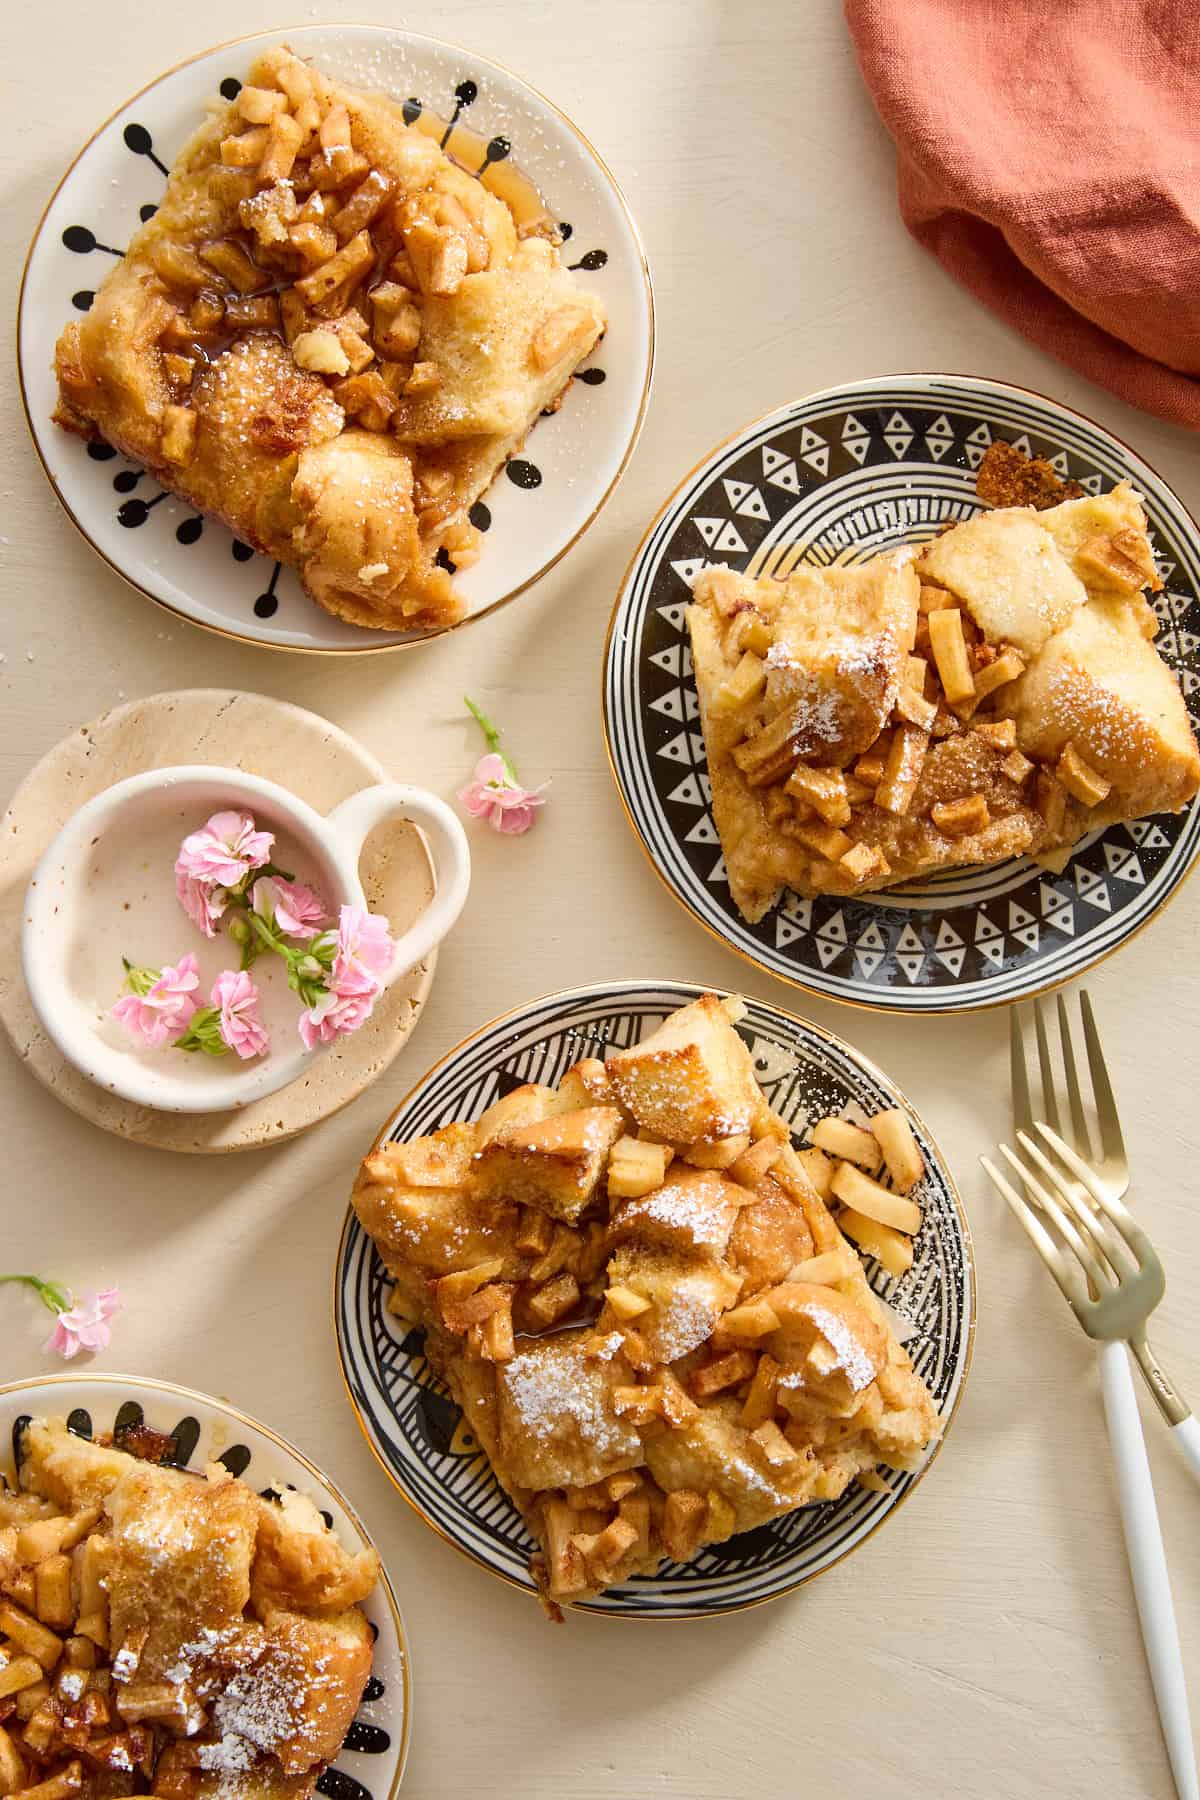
(1112, 1280)
(1126, 1298)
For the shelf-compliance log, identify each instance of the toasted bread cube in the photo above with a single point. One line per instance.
(823, 789)
(1090, 529)
(753, 1320)
(52, 1590)
(747, 682)
(625, 1303)
(818, 1169)
(683, 1522)
(1051, 802)
(1080, 779)
(728, 1371)
(636, 1167)
(63, 1786)
(558, 1419)
(587, 1084)
(901, 1152)
(961, 818)
(554, 1299)
(556, 1163)
(720, 1520)
(21, 1672)
(949, 648)
(914, 708)
(997, 674)
(839, 1138)
(30, 1635)
(1007, 569)
(723, 1153)
(888, 1246)
(863, 861)
(1001, 734)
(826, 1269)
(690, 1080)
(863, 1195)
(1017, 768)
(759, 1404)
(755, 1161)
(902, 769)
(12, 1766)
(826, 840)
(773, 1445)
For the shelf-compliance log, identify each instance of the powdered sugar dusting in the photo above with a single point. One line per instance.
(551, 1390)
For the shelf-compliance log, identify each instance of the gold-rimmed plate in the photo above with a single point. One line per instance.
(414, 1427)
(842, 474)
(499, 128)
(370, 1765)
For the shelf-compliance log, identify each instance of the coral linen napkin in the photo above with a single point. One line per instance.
(1049, 157)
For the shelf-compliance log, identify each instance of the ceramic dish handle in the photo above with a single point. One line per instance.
(355, 819)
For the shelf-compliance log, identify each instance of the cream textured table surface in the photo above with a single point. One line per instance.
(984, 1646)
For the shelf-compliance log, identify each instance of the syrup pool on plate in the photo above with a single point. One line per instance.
(127, 908)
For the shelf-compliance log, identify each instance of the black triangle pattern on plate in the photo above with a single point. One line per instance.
(993, 926)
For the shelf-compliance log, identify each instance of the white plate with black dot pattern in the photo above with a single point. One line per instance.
(370, 1764)
(534, 511)
(426, 1446)
(847, 472)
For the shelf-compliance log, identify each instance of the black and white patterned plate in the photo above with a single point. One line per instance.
(418, 1433)
(531, 514)
(849, 471)
(370, 1764)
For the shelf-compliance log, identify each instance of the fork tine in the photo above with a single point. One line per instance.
(1068, 1281)
(1134, 1237)
(1049, 1103)
(1083, 1246)
(1083, 1141)
(1100, 1233)
(1022, 1107)
(1111, 1140)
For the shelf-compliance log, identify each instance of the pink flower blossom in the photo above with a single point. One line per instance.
(364, 953)
(298, 911)
(202, 903)
(84, 1325)
(163, 1012)
(236, 999)
(492, 794)
(224, 849)
(335, 1015)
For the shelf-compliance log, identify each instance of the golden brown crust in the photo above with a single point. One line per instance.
(692, 1388)
(295, 343)
(197, 1637)
(1025, 703)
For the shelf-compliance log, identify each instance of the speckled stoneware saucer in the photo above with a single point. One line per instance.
(493, 125)
(370, 1764)
(301, 752)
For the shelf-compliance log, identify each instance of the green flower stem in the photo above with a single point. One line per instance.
(491, 738)
(53, 1296)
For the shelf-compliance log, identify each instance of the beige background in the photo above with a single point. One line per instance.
(985, 1644)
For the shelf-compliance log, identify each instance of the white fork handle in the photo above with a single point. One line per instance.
(1187, 1442)
(1148, 1565)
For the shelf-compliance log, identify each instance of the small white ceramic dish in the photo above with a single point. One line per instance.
(370, 1764)
(491, 122)
(104, 889)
